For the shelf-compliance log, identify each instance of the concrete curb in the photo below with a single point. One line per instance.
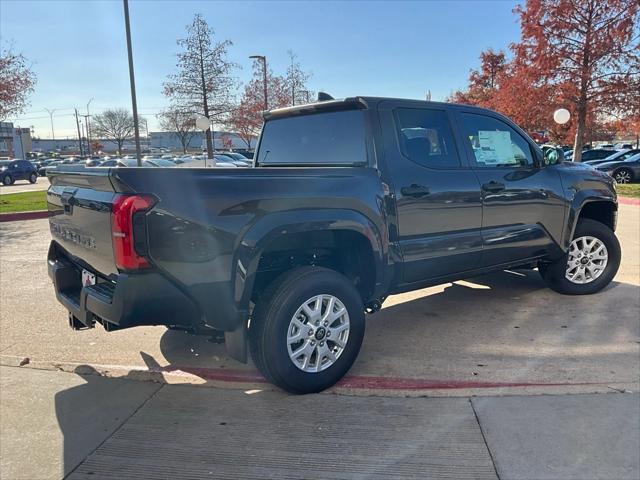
(354, 385)
(17, 216)
(628, 201)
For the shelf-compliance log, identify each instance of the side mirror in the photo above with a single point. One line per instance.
(553, 156)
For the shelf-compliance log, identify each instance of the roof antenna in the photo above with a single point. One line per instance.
(323, 97)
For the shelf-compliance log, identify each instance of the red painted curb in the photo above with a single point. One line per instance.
(629, 201)
(357, 382)
(14, 217)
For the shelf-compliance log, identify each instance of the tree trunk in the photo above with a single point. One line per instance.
(580, 128)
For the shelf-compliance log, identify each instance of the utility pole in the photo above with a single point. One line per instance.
(86, 124)
(132, 81)
(51, 112)
(79, 136)
(263, 59)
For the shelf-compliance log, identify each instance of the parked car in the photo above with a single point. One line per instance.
(617, 156)
(596, 154)
(324, 228)
(158, 162)
(238, 159)
(206, 163)
(14, 170)
(623, 171)
(40, 165)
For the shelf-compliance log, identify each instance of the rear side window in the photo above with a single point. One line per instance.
(425, 137)
(494, 143)
(333, 138)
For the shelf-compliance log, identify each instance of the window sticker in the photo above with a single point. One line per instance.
(495, 148)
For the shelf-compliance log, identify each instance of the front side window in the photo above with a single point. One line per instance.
(425, 137)
(494, 143)
(332, 138)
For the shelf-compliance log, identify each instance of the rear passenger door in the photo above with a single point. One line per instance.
(439, 210)
(523, 205)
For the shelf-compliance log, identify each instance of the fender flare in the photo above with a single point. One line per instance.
(256, 239)
(579, 201)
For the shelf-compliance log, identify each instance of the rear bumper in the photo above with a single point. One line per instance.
(132, 300)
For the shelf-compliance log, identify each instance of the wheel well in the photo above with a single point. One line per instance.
(603, 212)
(344, 251)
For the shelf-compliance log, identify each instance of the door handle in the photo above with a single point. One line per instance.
(493, 186)
(415, 191)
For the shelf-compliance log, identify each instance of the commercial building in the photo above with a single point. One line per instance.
(14, 141)
(222, 140)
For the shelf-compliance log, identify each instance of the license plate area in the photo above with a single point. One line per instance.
(88, 278)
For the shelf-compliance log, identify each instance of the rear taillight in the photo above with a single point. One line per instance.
(128, 230)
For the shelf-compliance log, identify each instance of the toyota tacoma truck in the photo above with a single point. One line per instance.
(348, 201)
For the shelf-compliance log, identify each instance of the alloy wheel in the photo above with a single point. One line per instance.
(588, 257)
(318, 333)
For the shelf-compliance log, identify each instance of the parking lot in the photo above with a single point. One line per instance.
(494, 334)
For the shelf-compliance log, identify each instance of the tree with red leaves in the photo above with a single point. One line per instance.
(588, 49)
(17, 81)
(582, 55)
(246, 118)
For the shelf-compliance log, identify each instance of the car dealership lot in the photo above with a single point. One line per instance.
(501, 333)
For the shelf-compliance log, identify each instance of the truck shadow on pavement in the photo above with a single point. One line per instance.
(501, 327)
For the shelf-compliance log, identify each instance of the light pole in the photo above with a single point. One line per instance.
(263, 59)
(88, 123)
(21, 144)
(51, 112)
(132, 81)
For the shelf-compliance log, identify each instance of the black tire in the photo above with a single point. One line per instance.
(7, 180)
(270, 324)
(623, 175)
(33, 178)
(554, 273)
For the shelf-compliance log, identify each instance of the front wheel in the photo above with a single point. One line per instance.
(623, 175)
(7, 180)
(590, 264)
(307, 329)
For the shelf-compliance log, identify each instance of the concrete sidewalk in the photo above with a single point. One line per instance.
(90, 427)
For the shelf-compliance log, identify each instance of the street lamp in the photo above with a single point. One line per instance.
(263, 59)
(21, 144)
(132, 81)
(51, 112)
(88, 123)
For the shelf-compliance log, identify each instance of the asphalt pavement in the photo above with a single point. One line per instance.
(24, 186)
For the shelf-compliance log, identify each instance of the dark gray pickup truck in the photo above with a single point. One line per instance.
(349, 201)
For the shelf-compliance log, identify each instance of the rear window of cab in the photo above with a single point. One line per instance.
(325, 139)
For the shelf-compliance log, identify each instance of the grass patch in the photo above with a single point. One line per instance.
(23, 202)
(628, 190)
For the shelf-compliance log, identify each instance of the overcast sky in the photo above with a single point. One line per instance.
(395, 49)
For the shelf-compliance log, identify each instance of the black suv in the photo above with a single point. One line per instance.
(12, 170)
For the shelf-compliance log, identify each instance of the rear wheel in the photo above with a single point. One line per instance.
(590, 264)
(7, 180)
(33, 178)
(307, 329)
(623, 175)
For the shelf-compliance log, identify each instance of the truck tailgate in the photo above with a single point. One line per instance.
(79, 203)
